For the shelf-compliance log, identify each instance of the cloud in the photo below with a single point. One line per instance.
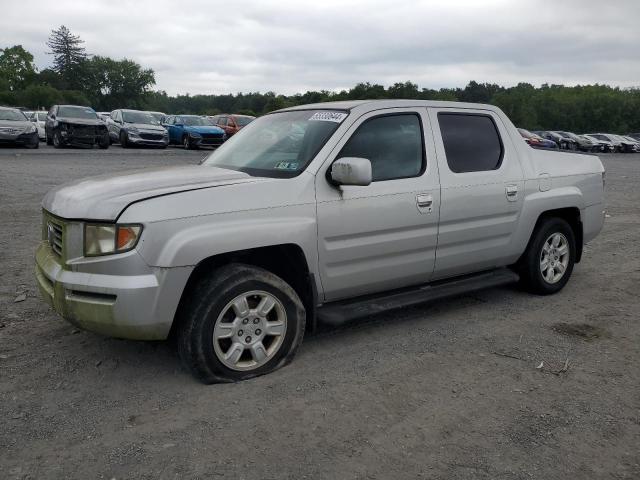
(200, 46)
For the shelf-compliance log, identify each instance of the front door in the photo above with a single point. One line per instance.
(482, 190)
(381, 236)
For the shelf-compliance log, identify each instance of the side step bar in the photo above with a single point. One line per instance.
(337, 313)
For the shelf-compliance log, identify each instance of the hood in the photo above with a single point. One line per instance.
(15, 124)
(104, 197)
(204, 129)
(80, 121)
(147, 127)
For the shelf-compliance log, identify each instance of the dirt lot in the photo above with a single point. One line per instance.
(446, 391)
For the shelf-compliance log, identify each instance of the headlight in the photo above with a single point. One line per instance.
(31, 129)
(133, 130)
(106, 239)
(194, 134)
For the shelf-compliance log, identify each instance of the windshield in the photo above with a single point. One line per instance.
(139, 117)
(15, 115)
(158, 116)
(77, 112)
(197, 121)
(243, 121)
(278, 145)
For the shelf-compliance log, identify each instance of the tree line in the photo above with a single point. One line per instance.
(106, 84)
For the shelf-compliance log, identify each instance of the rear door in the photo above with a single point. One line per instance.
(481, 190)
(381, 236)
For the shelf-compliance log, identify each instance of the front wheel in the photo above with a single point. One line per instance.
(124, 143)
(547, 263)
(57, 140)
(187, 143)
(241, 322)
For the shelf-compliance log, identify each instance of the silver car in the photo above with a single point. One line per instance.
(16, 129)
(316, 213)
(136, 128)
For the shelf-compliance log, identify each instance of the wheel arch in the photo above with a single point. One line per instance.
(572, 216)
(287, 261)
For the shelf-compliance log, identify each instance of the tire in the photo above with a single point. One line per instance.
(124, 143)
(210, 327)
(533, 276)
(57, 140)
(187, 143)
(104, 143)
(33, 145)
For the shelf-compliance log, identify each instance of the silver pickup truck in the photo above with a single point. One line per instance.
(317, 213)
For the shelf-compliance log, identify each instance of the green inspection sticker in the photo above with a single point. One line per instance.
(287, 166)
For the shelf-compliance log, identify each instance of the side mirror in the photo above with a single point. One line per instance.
(351, 171)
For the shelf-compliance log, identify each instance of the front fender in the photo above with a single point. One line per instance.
(186, 242)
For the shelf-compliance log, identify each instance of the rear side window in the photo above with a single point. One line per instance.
(393, 144)
(471, 142)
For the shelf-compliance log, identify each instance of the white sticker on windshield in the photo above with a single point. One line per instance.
(328, 117)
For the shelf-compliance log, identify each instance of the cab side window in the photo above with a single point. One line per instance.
(393, 143)
(471, 142)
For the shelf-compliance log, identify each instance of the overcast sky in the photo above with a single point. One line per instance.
(289, 46)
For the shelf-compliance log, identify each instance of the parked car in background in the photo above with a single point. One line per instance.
(582, 144)
(39, 118)
(536, 141)
(135, 127)
(562, 142)
(617, 143)
(104, 115)
(193, 131)
(75, 125)
(159, 116)
(607, 146)
(635, 136)
(231, 124)
(627, 145)
(270, 235)
(17, 129)
(635, 143)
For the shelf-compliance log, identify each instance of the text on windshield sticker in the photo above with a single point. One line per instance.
(328, 117)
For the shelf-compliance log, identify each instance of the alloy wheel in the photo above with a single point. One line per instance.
(554, 258)
(250, 330)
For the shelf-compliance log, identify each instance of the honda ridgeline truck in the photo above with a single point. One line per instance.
(316, 213)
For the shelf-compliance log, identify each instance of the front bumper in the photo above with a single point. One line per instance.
(137, 140)
(21, 139)
(138, 306)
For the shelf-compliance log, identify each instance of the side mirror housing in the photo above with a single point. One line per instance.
(351, 171)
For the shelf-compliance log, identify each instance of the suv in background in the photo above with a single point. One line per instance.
(134, 127)
(75, 125)
(231, 124)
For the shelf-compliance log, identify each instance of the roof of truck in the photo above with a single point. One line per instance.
(387, 103)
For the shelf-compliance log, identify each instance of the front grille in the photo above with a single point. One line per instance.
(217, 136)
(81, 130)
(151, 136)
(54, 234)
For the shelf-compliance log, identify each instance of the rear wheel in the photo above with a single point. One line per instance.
(124, 142)
(240, 323)
(547, 263)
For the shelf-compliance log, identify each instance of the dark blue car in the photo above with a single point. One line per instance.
(193, 131)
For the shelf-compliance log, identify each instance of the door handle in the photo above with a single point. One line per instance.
(424, 200)
(512, 192)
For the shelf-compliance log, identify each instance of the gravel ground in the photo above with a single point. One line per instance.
(446, 391)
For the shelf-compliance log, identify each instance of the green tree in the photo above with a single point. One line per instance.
(114, 84)
(69, 56)
(16, 68)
